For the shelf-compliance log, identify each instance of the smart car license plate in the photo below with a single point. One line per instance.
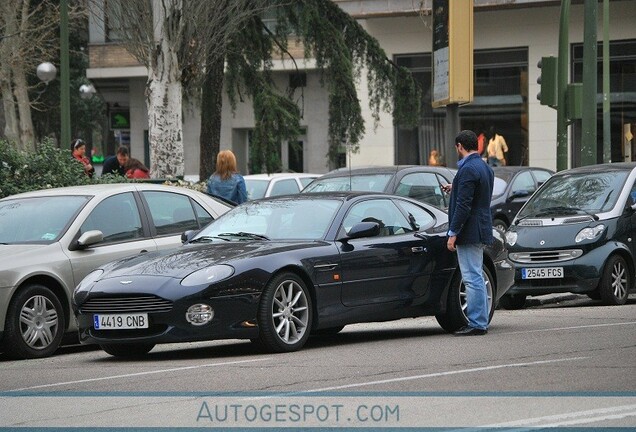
(542, 273)
(120, 322)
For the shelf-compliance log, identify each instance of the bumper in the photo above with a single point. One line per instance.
(234, 318)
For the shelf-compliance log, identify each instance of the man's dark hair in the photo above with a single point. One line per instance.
(467, 139)
(123, 150)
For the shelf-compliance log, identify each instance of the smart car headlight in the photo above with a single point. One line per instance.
(89, 280)
(591, 233)
(511, 238)
(208, 275)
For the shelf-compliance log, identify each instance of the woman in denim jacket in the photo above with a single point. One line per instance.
(226, 182)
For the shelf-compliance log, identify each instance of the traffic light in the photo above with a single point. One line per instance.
(548, 81)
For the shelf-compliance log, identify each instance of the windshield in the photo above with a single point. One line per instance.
(256, 188)
(279, 219)
(584, 193)
(37, 220)
(364, 183)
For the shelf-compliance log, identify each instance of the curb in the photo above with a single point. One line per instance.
(551, 299)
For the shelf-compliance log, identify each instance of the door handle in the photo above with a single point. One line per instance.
(418, 249)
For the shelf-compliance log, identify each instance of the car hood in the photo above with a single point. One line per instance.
(182, 261)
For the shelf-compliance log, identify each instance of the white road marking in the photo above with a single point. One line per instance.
(571, 328)
(139, 374)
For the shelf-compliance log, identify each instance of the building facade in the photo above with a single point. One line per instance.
(509, 39)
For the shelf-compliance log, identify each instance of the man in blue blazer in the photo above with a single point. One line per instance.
(470, 228)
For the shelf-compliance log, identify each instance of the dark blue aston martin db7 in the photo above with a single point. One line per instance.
(278, 270)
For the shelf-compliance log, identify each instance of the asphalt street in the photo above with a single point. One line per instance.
(565, 362)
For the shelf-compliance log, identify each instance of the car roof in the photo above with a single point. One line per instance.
(338, 195)
(514, 169)
(616, 166)
(278, 175)
(386, 169)
(100, 189)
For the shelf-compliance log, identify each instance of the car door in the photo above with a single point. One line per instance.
(171, 214)
(385, 268)
(119, 219)
(522, 186)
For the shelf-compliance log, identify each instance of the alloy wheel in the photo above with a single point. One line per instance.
(38, 322)
(290, 312)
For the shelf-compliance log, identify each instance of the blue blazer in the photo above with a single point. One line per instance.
(469, 211)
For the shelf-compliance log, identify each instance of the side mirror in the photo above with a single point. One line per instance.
(187, 236)
(363, 229)
(522, 193)
(89, 238)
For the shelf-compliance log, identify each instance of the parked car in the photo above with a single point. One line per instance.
(266, 185)
(422, 183)
(575, 234)
(513, 186)
(277, 270)
(51, 239)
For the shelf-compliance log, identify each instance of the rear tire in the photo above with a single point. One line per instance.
(513, 301)
(615, 283)
(500, 224)
(284, 314)
(127, 350)
(35, 323)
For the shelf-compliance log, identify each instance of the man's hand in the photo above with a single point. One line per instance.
(447, 188)
(450, 244)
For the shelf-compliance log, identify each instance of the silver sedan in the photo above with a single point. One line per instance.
(51, 239)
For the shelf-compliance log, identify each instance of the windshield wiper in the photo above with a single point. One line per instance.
(246, 235)
(564, 210)
(207, 238)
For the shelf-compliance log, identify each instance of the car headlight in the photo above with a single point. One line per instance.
(89, 280)
(511, 238)
(208, 275)
(589, 233)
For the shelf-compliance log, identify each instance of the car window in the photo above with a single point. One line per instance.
(421, 218)
(423, 187)
(171, 213)
(285, 187)
(203, 216)
(523, 181)
(381, 211)
(541, 176)
(364, 182)
(306, 180)
(38, 220)
(256, 188)
(117, 217)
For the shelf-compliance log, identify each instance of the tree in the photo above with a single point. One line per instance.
(185, 43)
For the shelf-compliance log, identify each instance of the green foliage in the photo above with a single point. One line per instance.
(47, 167)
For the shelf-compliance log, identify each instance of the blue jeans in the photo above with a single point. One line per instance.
(471, 259)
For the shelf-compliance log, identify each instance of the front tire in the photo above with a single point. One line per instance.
(35, 323)
(455, 316)
(284, 314)
(615, 282)
(500, 224)
(127, 350)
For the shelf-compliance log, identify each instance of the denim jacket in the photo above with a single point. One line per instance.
(232, 189)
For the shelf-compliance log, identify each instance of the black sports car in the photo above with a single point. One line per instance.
(277, 270)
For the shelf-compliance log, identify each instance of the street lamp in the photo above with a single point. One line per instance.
(87, 91)
(46, 72)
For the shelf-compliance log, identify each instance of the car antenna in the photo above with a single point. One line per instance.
(348, 146)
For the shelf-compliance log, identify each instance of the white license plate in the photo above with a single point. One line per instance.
(542, 273)
(120, 321)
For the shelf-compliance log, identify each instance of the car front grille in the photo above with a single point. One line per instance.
(126, 304)
(545, 256)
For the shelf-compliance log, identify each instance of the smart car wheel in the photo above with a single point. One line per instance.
(285, 314)
(615, 282)
(455, 316)
(500, 224)
(127, 350)
(35, 323)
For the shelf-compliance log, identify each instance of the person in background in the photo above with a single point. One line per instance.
(116, 164)
(135, 169)
(435, 159)
(470, 228)
(79, 153)
(226, 182)
(497, 149)
(481, 143)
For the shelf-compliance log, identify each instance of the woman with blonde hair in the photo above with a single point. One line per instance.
(226, 182)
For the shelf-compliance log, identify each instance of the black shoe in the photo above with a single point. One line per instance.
(470, 331)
